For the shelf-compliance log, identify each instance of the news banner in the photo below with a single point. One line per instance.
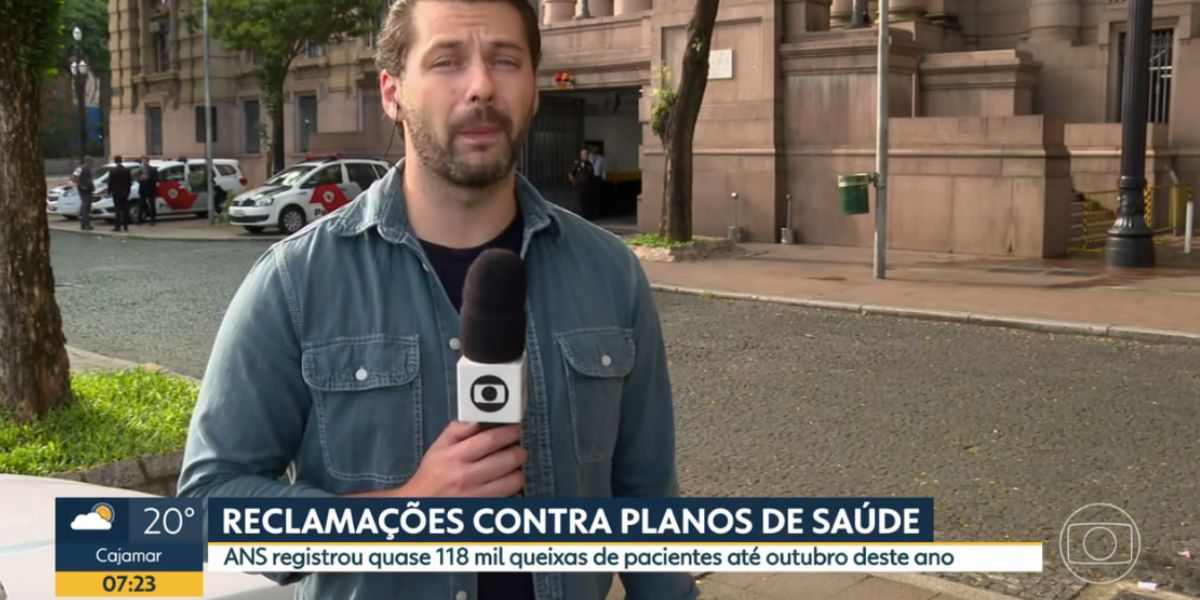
(161, 547)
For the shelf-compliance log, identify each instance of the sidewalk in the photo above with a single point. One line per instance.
(1071, 295)
(179, 228)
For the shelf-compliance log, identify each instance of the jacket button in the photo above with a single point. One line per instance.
(455, 344)
(461, 595)
(606, 360)
(360, 374)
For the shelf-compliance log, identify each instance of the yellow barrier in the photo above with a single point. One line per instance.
(1094, 233)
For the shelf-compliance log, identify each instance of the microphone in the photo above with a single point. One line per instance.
(492, 373)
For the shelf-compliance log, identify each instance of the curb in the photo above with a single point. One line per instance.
(116, 364)
(1139, 334)
(269, 238)
(959, 591)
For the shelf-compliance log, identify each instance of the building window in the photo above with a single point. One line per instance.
(250, 110)
(200, 124)
(316, 50)
(160, 45)
(154, 132)
(306, 120)
(1162, 47)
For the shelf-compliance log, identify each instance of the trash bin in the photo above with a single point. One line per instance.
(852, 191)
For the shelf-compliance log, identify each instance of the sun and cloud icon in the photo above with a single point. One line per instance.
(99, 519)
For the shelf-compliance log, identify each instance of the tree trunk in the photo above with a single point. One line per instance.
(34, 369)
(272, 79)
(681, 125)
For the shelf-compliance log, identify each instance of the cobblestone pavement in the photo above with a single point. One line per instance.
(1008, 431)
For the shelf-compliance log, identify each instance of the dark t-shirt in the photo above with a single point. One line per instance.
(451, 265)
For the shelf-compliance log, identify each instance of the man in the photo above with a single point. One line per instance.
(148, 191)
(583, 178)
(362, 402)
(85, 185)
(120, 182)
(599, 166)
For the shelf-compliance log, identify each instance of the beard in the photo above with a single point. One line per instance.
(443, 158)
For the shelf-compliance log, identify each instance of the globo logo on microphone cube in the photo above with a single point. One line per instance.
(491, 393)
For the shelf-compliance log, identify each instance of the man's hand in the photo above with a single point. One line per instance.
(467, 461)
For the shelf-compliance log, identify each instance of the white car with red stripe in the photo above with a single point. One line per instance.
(305, 192)
(181, 188)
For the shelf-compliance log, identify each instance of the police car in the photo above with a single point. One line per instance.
(63, 200)
(181, 189)
(305, 192)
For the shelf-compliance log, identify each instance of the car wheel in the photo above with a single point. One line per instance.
(255, 229)
(135, 212)
(291, 220)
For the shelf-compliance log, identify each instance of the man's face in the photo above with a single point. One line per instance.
(468, 93)
(583, 154)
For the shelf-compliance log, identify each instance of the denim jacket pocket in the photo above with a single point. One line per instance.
(367, 399)
(597, 362)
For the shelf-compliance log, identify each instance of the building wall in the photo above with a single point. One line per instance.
(343, 81)
(796, 110)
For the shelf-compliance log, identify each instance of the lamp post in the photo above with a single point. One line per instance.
(208, 125)
(1130, 241)
(79, 74)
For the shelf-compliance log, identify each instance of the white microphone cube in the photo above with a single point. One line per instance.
(491, 393)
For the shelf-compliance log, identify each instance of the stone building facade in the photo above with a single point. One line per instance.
(1001, 111)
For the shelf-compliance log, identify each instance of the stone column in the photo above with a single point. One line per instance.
(624, 7)
(907, 10)
(600, 8)
(557, 11)
(839, 14)
(1054, 20)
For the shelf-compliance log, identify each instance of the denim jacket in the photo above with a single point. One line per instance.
(336, 365)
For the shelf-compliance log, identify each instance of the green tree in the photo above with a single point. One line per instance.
(674, 122)
(277, 32)
(34, 369)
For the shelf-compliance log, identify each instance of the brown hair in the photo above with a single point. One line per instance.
(396, 35)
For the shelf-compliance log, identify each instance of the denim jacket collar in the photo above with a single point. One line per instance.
(383, 206)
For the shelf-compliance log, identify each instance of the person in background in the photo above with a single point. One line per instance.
(120, 182)
(599, 166)
(83, 182)
(148, 192)
(583, 178)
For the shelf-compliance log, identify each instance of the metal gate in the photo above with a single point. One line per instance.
(554, 142)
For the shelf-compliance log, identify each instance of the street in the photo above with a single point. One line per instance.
(1008, 431)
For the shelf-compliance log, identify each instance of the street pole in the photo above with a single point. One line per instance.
(881, 145)
(79, 72)
(1130, 241)
(208, 125)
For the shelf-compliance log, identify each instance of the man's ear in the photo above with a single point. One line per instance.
(389, 94)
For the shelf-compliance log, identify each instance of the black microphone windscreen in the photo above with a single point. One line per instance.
(492, 326)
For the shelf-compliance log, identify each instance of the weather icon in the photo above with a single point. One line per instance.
(99, 519)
